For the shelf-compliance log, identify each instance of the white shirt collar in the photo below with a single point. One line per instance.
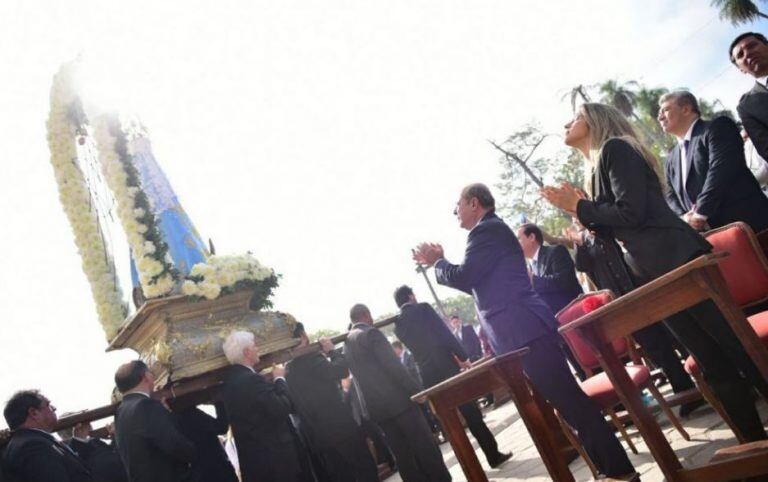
(762, 80)
(688, 134)
(137, 393)
(535, 256)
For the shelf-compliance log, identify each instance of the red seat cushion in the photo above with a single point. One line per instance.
(600, 389)
(759, 323)
(576, 310)
(745, 271)
(691, 366)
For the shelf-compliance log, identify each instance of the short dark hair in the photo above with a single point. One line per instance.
(129, 375)
(397, 344)
(741, 37)
(357, 311)
(17, 407)
(681, 98)
(530, 228)
(299, 330)
(481, 192)
(403, 295)
(455, 315)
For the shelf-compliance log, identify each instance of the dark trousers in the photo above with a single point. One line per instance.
(350, 461)
(480, 431)
(416, 452)
(374, 433)
(724, 364)
(573, 361)
(474, 418)
(659, 346)
(548, 371)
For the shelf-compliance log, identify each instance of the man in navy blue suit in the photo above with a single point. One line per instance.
(514, 316)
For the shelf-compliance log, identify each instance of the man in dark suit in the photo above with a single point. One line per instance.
(258, 412)
(148, 440)
(100, 457)
(386, 390)
(438, 354)
(203, 430)
(33, 454)
(408, 361)
(467, 337)
(313, 382)
(553, 274)
(553, 277)
(514, 316)
(708, 182)
(749, 52)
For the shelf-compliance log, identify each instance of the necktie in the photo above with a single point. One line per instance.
(684, 167)
(534, 266)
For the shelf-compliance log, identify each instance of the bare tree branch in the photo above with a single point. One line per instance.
(520, 162)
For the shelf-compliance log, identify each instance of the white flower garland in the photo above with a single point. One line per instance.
(222, 273)
(154, 275)
(77, 203)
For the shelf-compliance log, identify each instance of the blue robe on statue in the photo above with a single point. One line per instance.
(185, 246)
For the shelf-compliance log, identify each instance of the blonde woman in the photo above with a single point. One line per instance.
(628, 202)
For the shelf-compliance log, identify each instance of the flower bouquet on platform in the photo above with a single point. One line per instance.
(188, 299)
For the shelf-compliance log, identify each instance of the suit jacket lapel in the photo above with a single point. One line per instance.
(695, 136)
(759, 88)
(542, 259)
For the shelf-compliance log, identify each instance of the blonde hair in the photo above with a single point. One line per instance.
(606, 123)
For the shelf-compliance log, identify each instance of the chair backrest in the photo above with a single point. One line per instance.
(746, 268)
(575, 310)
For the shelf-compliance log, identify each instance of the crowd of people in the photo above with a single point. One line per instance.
(339, 414)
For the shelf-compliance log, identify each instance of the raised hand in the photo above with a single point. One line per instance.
(427, 254)
(565, 197)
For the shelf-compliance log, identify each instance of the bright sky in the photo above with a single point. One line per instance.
(328, 137)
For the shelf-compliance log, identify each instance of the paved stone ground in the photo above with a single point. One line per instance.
(707, 430)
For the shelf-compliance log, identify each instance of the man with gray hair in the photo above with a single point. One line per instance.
(258, 413)
(708, 182)
(386, 388)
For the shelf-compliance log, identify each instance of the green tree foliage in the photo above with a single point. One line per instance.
(461, 305)
(738, 11)
(323, 332)
(525, 167)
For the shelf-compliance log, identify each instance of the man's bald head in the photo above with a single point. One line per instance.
(360, 314)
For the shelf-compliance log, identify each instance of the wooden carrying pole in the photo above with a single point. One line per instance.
(191, 389)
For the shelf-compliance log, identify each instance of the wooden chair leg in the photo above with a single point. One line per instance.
(577, 444)
(667, 411)
(620, 427)
(710, 397)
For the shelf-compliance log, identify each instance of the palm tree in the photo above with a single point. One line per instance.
(624, 98)
(620, 96)
(575, 93)
(647, 101)
(738, 11)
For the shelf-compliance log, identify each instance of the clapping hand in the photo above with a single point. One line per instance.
(572, 234)
(427, 254)
(278, 371)
(565, 197)
(463, 365)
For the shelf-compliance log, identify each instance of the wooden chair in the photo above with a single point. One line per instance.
(746, 274)
(598, 387)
